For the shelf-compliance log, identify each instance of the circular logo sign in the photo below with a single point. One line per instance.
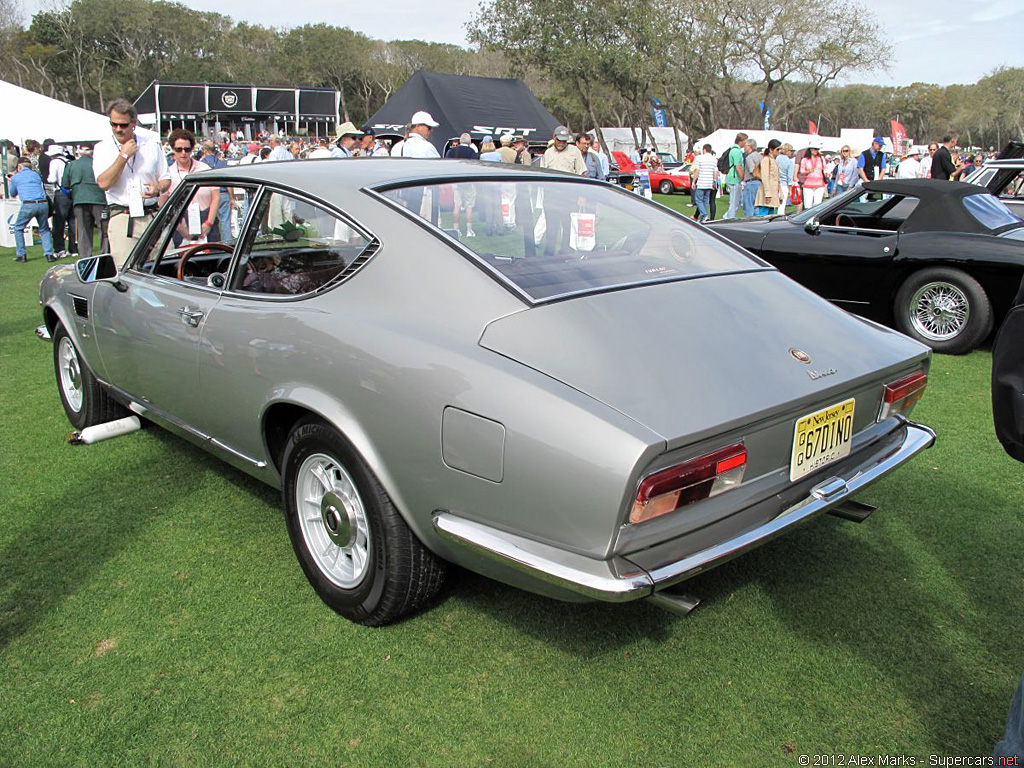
(800, 355)
(230, 99)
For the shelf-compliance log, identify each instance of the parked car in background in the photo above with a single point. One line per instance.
(598, 401)
(667, 182)
(1004, 177)
(939, 260)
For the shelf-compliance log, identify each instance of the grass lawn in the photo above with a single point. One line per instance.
(152, 612)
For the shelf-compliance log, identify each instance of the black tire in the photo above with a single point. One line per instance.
(666, 187)
(945, 308)
(397, 574)
(85, 401)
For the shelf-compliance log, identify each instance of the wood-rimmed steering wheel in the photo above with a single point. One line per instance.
(191, 251)
(845, 220)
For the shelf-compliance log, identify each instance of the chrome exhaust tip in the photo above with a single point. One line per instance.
(675, 602)
(854, 511)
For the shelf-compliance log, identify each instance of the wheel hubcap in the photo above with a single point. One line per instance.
(70, 374)
(333, 520)
(939, 311)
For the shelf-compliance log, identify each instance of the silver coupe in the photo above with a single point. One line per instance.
(542, 378)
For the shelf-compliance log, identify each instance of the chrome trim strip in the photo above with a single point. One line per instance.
(173, 423)
(619, 580)
(244, 457)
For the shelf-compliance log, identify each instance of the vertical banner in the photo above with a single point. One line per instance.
(768, 119)
(899, 136)
(812, 127)
(660, 117)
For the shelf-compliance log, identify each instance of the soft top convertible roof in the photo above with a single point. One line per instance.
(941, 208)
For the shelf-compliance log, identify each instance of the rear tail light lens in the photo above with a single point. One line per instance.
(900, 396)
(699, 478)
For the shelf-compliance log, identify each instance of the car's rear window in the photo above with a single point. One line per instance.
(555, 238)
(989, 211)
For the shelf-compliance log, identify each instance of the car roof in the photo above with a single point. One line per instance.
(362, 172)
(1013, 162)
(940, 209)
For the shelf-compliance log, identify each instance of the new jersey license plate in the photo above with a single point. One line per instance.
(821, 437)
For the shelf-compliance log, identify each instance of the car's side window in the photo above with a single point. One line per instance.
(294, 247)
(872, 210)
(193, 243)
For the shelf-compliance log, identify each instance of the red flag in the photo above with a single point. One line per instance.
(899, 135)
(812, 127)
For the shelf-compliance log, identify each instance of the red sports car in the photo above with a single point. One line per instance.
(665, 182)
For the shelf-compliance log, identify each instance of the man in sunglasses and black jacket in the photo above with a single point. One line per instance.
(132, 170)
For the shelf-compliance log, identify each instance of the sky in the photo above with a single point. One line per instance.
(941, 42)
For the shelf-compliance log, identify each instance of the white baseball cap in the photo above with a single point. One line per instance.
(423, 118)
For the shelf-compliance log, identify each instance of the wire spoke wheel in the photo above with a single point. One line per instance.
(333, 520)
(939, 311)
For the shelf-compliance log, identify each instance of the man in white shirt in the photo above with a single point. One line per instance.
(321, 151)
(417, 145)
(132, 171)
(278, 151)
(910, 166)
(370, 146)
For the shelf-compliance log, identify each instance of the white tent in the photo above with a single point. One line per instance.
(857, 138)
(30, 115)
(621, 139)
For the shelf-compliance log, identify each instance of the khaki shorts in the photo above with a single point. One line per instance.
(465, 195)
(121, 243)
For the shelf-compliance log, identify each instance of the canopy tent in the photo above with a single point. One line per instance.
(622, 139)
(30, 115)
(464, 104)
(858, 139)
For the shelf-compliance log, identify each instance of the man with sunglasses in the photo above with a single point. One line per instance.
(132, 172)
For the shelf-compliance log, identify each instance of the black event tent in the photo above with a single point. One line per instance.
(461, 103)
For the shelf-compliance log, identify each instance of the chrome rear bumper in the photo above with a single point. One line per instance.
(619, 579)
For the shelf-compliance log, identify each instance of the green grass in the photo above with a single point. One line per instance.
(152, 612)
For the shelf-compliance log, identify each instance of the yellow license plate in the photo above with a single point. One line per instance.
(821, 437)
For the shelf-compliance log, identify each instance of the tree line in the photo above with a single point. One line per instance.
(711, 64)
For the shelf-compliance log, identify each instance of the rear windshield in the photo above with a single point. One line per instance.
(990, 212)
(555, 238)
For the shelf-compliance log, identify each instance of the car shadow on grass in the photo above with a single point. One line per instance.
(77, 532)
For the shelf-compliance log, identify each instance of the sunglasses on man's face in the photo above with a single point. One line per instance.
(120, 125)
(183, 149)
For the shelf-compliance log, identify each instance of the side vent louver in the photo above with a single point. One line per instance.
(81, 306)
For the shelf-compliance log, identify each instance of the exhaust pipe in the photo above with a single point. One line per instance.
(673, 601)
(854, 511)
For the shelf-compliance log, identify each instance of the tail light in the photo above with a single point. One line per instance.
(699, 478)
(901, 396)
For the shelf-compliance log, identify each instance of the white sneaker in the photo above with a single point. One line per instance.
(470, 232)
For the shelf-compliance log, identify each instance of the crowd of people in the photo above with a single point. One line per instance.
(765, 180)
(116, 186)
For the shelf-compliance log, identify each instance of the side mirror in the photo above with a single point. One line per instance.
(216, 280)
(812, 226)
(99, 269)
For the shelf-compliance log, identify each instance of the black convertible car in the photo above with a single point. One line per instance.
(939, 260)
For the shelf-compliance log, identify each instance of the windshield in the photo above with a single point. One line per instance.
(990, 212)
(554, 238)
(808, 213)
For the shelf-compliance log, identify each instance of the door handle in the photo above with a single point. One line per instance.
(190, 316)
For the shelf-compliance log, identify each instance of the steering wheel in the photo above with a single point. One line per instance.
(188, 253)
(845, 220)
